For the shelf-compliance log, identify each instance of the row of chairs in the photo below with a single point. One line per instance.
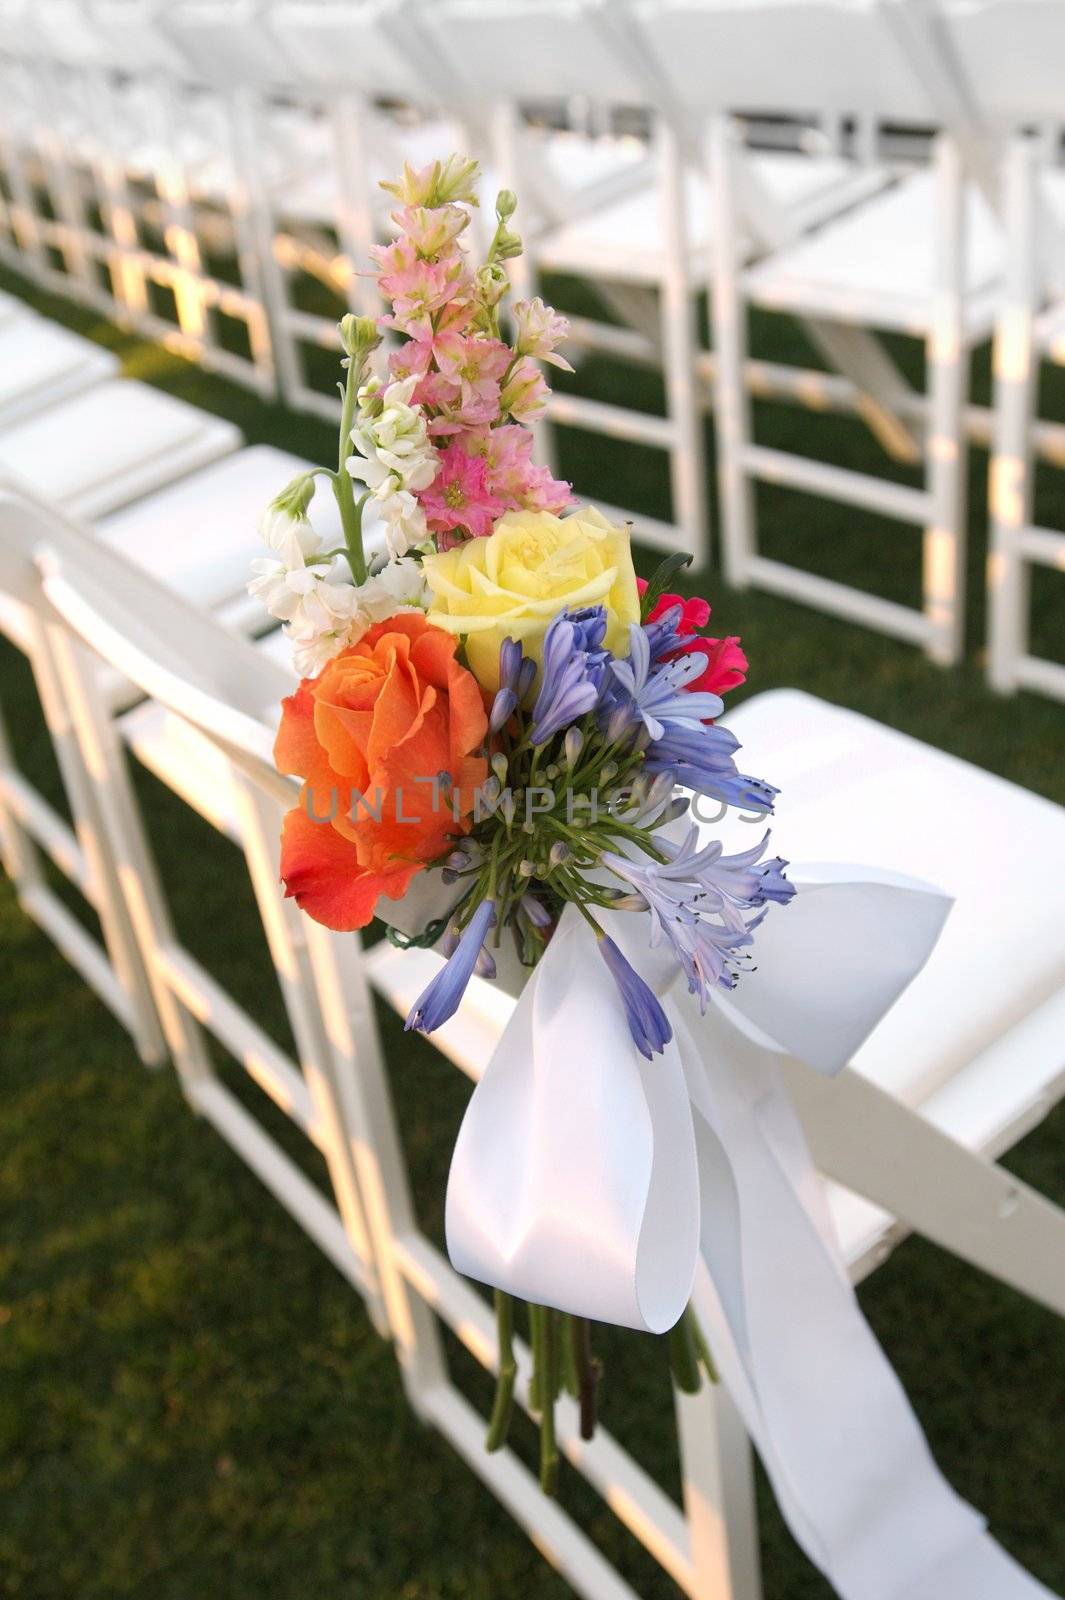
(115, 582)
(225, 153)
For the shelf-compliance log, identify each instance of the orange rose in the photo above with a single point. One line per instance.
(368, 736)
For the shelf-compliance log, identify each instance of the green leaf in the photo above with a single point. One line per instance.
(663, 576)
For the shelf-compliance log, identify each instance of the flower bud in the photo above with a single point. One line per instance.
(525, 869)
(500, 766)
(559, 855)
(506, 204)
(572, 746)
(358, 335)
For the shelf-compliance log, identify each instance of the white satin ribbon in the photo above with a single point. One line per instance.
(589, 1179)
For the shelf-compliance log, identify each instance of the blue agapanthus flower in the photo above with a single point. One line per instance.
(440, 999)
(658, 693)
(704, 903)
(701, 759)
(647, 1022)
(574, 671)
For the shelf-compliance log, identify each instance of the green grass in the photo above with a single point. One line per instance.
(192, 1403)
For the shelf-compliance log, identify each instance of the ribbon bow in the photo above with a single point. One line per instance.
(587, 1178)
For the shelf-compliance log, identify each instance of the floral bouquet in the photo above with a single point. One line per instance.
(494, 700)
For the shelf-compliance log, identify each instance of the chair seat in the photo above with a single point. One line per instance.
(10, 308)
(200, 535)
(102, 449)
(41, 362)
(854, 790)
(876, 265)
(627, 239)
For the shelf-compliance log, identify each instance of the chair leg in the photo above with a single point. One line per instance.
(84, 784)
(362, 1085)
(946, 443)
(718, 1485)
(732, 406)
(1010, 487)
(103, 756)
(679, 344)
(19, 855)
(284, 926)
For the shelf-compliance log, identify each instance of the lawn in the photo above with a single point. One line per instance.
(192, 1402)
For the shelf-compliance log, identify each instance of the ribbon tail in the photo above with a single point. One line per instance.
(849, 1464)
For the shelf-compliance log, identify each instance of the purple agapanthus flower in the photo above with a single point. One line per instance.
(658, 692)
(647, 1022)
(440, 999)
(574, 671)
(701, 759)
(700, 901)
(516, 674)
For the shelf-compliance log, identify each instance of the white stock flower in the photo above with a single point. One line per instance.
(405, 524)
(394, 452)
(537, 331)
(399, 586)
(327, 620)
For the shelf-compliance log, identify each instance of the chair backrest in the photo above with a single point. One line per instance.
(1011, 54)
(226, 43)
(772, 56)
(134, 35)
(170, 649)
(361, 45)
(533, 49)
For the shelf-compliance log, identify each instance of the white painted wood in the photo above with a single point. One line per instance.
(948, 381)
(1018, 436)
(732, 410)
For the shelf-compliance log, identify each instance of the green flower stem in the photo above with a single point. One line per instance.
(343, 486)
(536, 1339)
(702, 1349)
(683, 1357)
(548, 1442)
(570, 1375)
(499, 1425)
(589, 1372)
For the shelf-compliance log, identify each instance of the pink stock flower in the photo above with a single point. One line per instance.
(418, 289)
(538, 329)
(431, 232)
(474, 369)
(525, 392)
(459, 498)
(512, 473)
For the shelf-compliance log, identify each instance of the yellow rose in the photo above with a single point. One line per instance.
(532, 566)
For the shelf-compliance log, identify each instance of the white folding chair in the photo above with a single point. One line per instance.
(189, 998)
(179, 237)
(48, 143)
(923, 258)
(42, 362)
